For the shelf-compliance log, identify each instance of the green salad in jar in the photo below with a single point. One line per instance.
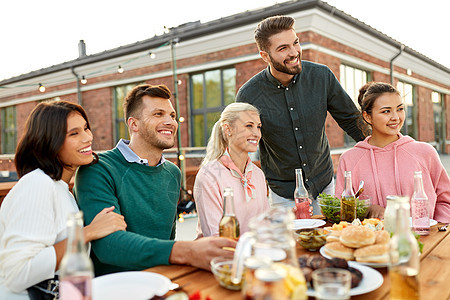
(331, 208)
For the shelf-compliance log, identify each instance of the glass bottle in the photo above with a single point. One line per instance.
(389, 213)
(420, 207)
(76, 270)
(301, 197)
(404, 256)
(229, 225)
(348, 200)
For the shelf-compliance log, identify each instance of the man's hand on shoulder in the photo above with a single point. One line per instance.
(200, 252)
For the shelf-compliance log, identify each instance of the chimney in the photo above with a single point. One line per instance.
(81, 49)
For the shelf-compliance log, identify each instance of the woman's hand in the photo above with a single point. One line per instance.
(104, 223)
(376, 211)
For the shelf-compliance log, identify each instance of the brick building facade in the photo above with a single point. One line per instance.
(355, 52)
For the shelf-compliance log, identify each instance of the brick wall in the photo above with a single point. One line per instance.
(425, 117)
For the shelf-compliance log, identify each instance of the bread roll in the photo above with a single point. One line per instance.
(382, 237)
(336, 249)
(377, 253)
(357, 236)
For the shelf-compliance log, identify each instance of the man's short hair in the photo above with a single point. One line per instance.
(269, 27)
(132, 105)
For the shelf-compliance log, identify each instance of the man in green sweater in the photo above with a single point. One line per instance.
(135, 178)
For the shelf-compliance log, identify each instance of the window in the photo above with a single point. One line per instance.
(352, 79)
(120, 126)
(211, 91)
(9, 130)
(439, 121)
(407, 92)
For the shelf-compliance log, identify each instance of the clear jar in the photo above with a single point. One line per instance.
(404, 257)
(250, 286)
(270, 281)
(389, 213)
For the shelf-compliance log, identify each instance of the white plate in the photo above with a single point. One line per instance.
(308, 223)
(432, 222)
(130, 286)
(373, 265)
(372, 279)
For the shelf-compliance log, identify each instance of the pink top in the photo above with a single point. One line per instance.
(390, 171)
(209, 185)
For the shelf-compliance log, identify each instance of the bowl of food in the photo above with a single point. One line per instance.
(331, 207)
(221, 268)
(311, 239)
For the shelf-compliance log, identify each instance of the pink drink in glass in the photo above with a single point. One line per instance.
(76, 288)
(302, 208)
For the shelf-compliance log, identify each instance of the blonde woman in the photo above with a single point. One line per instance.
(227, 164)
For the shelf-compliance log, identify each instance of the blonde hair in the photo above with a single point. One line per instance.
(218, 141)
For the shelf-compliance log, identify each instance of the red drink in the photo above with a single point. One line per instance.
(302, 208)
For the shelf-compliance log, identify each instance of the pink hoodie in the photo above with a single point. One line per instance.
(390, 171)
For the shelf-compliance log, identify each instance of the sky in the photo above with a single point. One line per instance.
(39, 34)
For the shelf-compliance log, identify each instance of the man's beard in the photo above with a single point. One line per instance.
(152, 139)
(281, 67)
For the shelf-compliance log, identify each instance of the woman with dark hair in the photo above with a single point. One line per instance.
(386, 160)
(57, 140)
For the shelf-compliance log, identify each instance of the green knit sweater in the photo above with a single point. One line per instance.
(146, 196)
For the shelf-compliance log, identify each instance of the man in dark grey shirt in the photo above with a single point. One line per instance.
(293, 97)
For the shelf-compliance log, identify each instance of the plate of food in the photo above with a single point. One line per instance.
(364, 279)
(362, 244)
(308, 223)
(369, 264)
(130, 285)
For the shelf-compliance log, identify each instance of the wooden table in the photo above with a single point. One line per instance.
(434, 274)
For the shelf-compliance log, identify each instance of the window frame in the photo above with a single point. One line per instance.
(6, 130)
(206, 111)
(401, 87)
(116, 121)
(348, 141)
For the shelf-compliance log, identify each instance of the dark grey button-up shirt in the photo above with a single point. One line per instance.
(293, 125)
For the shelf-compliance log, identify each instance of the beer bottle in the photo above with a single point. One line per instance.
(229, 225)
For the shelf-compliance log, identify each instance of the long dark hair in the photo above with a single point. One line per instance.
(43, 136)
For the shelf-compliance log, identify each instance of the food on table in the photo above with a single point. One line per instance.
(318, 262)
(311, 239)
(334, 236)
(331, 207)
(339, 263)
(382, 237)
(348, 208)
(221, 268)
(339, 226)
(294, 282)
(336, 249)
(377, 253)
(360, 243)
(357, 236)
(309, 263)
(356, 276)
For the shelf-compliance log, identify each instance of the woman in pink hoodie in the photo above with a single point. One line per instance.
(386, 160)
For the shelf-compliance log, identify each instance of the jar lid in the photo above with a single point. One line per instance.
(255, 262)
(270, 274)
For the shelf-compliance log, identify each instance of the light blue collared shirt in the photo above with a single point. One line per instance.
(130, 156)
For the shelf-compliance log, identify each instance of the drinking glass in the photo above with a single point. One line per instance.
(332, 283)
